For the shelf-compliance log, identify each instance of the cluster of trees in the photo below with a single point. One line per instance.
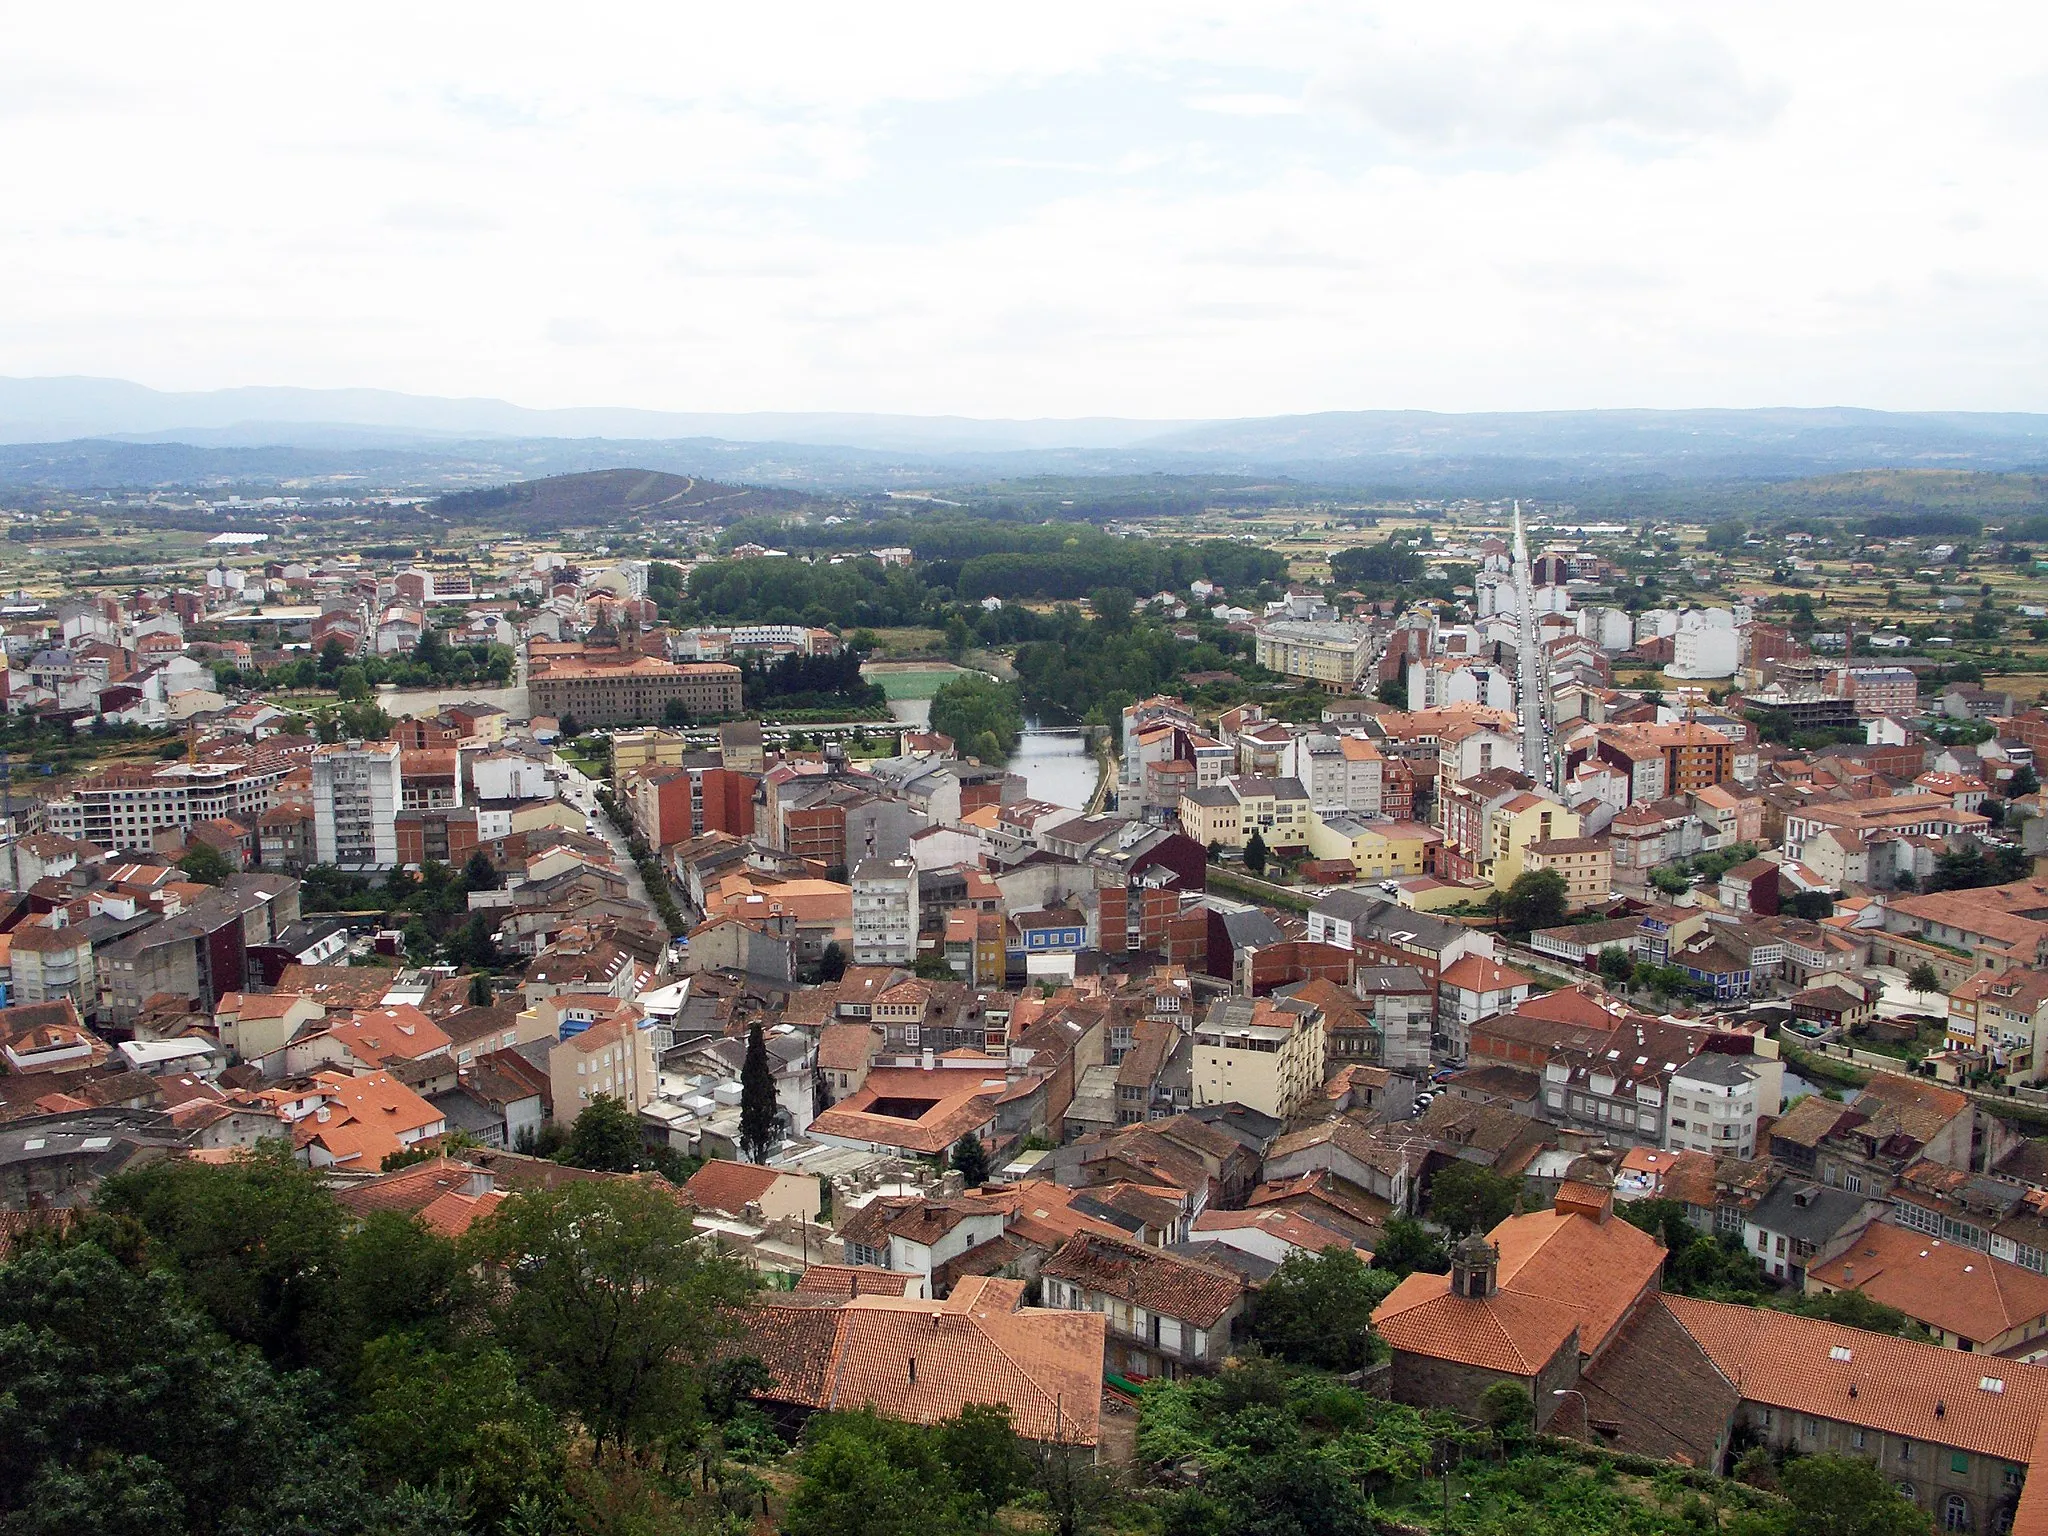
(433, 905)
(432, 662)
(808, 682)
(982, 716)
(1371, 567)
(221, 1349)
(1287, 1451)
(854, 592)
(1970, 867)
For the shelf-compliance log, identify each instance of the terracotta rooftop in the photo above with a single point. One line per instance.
(1958, 1290)
(1159, 1282)
(924, 1361)
(1876, 1380)
(724, 1185)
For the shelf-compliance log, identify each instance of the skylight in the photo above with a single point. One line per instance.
(1991, 1383)
(1841, 1352)
(96, 1143)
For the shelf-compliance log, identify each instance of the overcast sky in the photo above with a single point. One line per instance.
(1059, 209)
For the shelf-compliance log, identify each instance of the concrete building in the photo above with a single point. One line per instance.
(1715, 1100)
(1333, 655)
(357, 788)
(885, 912)
(1265, 1055)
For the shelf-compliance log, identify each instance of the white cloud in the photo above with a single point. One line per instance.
(1138, 209)
(1529, 90)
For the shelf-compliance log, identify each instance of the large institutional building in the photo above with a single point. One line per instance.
(627, 687)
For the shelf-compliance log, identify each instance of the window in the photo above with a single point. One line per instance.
(1855, 1439)
(1959, 1463)
(1955, 1513)
(1906, 1451)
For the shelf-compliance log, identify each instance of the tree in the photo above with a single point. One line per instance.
(398, 1274)
(480, 991)
(333, 656)
(1923, 978)
(1616, 966)
(435, 1417)
(206, 864)
(1464, 1197)
(971, 706)
(480, 874)
(1811, 905)
(759, 1112)
(980, 1449)
(1535, 900)
(832, 963)
(569, 727)
(933, 967)
(126, 1414)
(1407, 1246)
(1296, 1491)
(675, 712)
(2024, 781)
(863, 1475)
(1255, 854)
(1852, 1309)
(614, 1305)
(1505, 1408)
(605, 1137)
(1317, 1310)
(1113, 607)
(352, 685)
(1845, 1496)
(257, 1242)
(970, 1160)
(1393, 690)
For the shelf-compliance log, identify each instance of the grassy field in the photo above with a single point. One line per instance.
(907, 682)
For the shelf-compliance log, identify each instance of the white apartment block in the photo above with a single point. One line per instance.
(356, 794)
(885, 912)
(1715, 1101)
(123, 807)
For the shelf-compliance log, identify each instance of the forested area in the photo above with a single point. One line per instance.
(226, 1349)
(807, 682)
(981, 715)
(962, 561)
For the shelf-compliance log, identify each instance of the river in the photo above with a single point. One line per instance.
(1060, 769)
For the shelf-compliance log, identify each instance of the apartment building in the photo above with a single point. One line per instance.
(1263, 1054)
(885, 912)
(357, 791)
(1584, 864)
(1333, 655)
(1715, 1100)
(125, 807)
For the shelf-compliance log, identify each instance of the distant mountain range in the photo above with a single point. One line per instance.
(82, 433)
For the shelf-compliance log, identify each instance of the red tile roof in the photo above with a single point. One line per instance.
(1915, 1391)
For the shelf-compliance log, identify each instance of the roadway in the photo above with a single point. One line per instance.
(580, 790)
(1530, 670)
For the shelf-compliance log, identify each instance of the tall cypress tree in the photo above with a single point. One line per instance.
(757, 1098)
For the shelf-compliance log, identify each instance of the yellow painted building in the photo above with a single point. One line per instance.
(1210, 814)
(1377, 849)
(1521, 821)
(641, 749)
(1252, 1052)
(1585, 864)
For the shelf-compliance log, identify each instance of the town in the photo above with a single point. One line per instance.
(1551, 984)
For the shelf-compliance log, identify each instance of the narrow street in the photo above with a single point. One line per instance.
(580, 790)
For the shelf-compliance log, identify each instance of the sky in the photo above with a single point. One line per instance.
(1162, 210)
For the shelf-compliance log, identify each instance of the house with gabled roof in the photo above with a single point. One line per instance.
(1165, 1313)
(923, 1361)
(1534, 1302)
